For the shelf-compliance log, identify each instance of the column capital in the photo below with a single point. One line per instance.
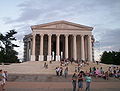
(58, 35)
(66, 35)
(41, 34)
(49, 34)
(74, 35)
(33, 34)
(89, 35)
(82, 35)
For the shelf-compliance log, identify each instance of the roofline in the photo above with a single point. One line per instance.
(62, 21)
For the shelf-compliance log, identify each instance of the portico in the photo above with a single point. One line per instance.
(60, 39)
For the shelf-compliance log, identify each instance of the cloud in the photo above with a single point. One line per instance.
(103, 15)
(109, 40)
(81, 11)
(41, 9)
(22, 30)
(28, 15)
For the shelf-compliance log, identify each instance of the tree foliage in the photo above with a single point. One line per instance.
(7, 52)
(111, 57)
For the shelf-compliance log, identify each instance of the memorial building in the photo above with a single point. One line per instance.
(58, 40)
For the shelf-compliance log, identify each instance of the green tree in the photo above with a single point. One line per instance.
(110, 57)
(7, 52)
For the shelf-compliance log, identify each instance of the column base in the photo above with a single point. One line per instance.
(41, 58)
(83, 59)
(32, 58)
(90, 60)
(75, 58)
(49, 57)
(57, 58)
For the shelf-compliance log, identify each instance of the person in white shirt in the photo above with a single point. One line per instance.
(4, 75)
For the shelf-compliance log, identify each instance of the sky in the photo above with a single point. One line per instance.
(102, 15)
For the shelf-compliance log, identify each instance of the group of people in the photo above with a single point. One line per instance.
(79, 79)
(111, 72)
(59, 71)
(64, 62)
(114, 72)
(3, 79)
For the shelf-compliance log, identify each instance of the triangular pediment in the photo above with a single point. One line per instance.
(61, 25)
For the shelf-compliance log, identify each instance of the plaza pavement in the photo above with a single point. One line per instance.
(45, 82)
(59, 86)
(32, 76)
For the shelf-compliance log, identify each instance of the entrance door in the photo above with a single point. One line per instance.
(45, 47)
(53, 47)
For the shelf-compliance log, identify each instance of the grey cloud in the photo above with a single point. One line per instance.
(101, 14)
(29, 14)
(110, 39)
(7, 20)
(85, 11)
(22, 30)
(111, 36)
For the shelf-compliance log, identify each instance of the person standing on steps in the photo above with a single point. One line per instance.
(61, 71)
(66, 72)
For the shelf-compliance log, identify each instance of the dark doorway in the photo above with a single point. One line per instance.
(53, 47)
(37, 48)
(45, 47)
(62, 46)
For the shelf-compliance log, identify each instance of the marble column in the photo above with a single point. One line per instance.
(41, 57)
(27, 44)
(74, 48)
(66, 46)
(29, 50)
(89, 48)
(49, 47)
(57, 47)
(82, 48)
(33, 47)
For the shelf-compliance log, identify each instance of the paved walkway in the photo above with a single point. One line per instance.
(49, 78)
(59, 86)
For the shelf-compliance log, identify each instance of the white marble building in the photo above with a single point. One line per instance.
(59, 39)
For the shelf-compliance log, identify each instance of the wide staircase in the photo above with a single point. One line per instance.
(37, 67)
